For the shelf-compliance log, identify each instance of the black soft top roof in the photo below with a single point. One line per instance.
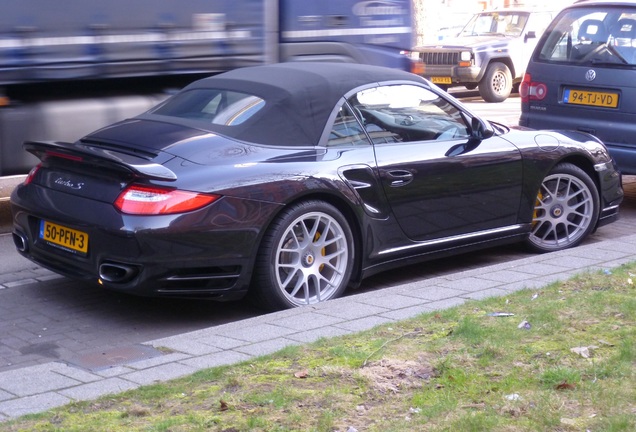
(299, 98)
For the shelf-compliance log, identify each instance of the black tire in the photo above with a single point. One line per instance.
(566, 209)
(306, 257)
(496, 84)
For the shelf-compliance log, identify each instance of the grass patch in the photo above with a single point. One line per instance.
(571, 368)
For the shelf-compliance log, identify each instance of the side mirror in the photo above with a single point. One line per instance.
(480, 129)
(530, 35)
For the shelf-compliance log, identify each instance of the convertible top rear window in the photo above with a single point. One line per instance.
(215, 106)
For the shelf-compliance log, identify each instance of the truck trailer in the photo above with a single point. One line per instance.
(68, 67)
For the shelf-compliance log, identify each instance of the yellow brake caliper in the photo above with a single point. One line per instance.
(323, 252)
(535, 213)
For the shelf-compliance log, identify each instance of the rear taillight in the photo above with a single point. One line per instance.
(532, 90)
(152, 200)
(31, 174)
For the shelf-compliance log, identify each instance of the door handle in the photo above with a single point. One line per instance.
(399, 178)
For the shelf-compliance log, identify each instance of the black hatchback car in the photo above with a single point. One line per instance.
(582, 76)
(291, 182)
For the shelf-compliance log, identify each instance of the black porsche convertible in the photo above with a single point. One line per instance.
(290, 182)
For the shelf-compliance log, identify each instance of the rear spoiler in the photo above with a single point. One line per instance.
(104, 157)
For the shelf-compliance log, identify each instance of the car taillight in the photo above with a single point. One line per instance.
(532, 90)
(31, 174)
(152, 200)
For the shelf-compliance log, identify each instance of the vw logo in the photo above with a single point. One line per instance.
(590, 75)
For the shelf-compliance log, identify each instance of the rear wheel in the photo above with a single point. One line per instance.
(566, 209)
(305, 258)
(496, 84)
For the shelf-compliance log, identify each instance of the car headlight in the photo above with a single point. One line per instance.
(465, 56)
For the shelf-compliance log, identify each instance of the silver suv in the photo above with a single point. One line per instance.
(490, 53)
(582, 76)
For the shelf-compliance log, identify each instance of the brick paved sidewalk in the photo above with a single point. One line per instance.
(38, 388)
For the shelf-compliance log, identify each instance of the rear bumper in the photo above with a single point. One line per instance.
(177, 255)
(169, 274)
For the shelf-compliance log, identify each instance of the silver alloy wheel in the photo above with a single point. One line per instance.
(563, 212)
(500, 83)
(311, 259)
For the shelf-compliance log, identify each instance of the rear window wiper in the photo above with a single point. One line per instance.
(613, 52)
(612, 49)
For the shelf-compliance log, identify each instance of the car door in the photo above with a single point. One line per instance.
(438, 180)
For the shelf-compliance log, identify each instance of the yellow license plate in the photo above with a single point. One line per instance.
(63, 237)
(591, 98)
(441, 80)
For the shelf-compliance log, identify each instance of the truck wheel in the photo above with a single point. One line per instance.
(496, 84)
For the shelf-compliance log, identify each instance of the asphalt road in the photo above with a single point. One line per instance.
(46, 318)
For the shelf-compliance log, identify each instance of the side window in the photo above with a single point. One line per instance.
(403, 113)
(538, 22)
(346, 129)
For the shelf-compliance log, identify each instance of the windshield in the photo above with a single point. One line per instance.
(599, 35)
(502, 23)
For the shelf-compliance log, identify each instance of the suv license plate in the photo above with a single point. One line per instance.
(441, 80)
(65, 238)
(591, 98)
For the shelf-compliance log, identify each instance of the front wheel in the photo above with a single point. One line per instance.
(306, 257)
(496, 84)
(566, 209)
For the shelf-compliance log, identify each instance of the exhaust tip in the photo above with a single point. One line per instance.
(117, 273)
(21, 242)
